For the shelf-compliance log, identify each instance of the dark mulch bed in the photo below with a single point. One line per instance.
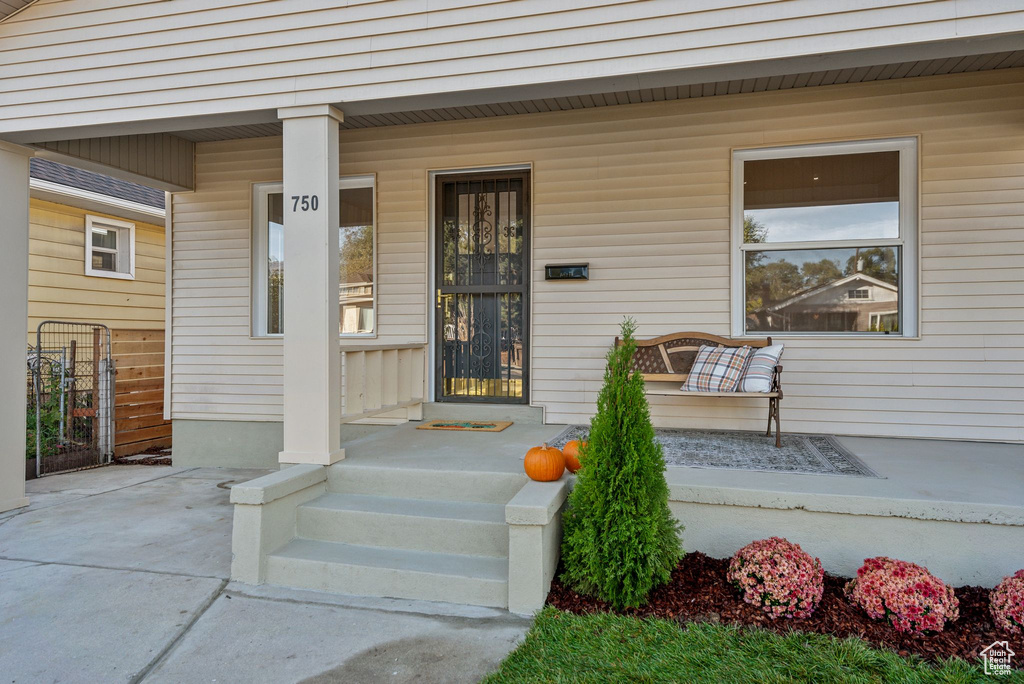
(699, 592)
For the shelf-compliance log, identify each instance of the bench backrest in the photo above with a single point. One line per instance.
(670, 357)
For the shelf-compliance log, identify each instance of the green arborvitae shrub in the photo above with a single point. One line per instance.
(620, 539)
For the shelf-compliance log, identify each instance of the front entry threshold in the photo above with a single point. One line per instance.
(453, 410)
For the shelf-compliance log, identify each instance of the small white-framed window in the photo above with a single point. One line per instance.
(109, 248)
(824, 239)
(357, 245)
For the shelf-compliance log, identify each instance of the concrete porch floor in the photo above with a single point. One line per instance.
(964, 481)
(976, 481)
(405, 446)
(120, 574)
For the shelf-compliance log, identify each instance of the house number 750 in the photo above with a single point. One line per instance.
(305, 202)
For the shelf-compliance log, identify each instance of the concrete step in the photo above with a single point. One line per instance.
(396, 573)
(446, 410)
(460, 527)
(424, 483)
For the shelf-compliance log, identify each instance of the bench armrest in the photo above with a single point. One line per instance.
(777, 380)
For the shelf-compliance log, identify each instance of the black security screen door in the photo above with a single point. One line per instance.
(483, 270)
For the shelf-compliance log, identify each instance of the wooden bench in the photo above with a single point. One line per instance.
(666, 362)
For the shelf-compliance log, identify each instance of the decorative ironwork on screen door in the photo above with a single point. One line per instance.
(482, 292)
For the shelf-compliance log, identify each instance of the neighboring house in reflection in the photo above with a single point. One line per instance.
(357, 307)
(857, 302)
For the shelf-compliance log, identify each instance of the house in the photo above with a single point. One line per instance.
(857, 302)
(430, 162)
(96, 258)
(75, 279)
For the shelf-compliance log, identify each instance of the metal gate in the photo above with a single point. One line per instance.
(71, 397)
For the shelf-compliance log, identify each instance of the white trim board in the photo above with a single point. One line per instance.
(168, 303)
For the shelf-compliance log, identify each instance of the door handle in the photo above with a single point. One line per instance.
(442, 297)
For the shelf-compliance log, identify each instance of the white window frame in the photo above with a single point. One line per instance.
(866, 298)
(907, 241)
(258, 312)
(260, 247)
(125, 247)
(875, 317)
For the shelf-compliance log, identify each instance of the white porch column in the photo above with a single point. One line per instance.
(13, 321)
(312, 359)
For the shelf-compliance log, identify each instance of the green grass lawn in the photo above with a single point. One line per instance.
(562, 647)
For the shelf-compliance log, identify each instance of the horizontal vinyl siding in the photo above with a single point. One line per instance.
(218, 370)
(141, 59)
(641, 192)
(60, 290)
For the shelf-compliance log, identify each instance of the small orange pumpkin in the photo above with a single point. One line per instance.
(544, 463)
(571, 451)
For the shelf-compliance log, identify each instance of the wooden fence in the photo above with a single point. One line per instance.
(139, 392)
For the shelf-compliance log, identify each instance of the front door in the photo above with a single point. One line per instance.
(482, 288)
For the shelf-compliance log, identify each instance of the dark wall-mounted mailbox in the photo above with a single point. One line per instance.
(567, 272)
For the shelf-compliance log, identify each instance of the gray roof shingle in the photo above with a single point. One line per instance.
(44, 169)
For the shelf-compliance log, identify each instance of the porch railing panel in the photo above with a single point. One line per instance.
(381, 379)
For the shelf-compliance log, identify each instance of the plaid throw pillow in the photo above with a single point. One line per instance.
(760, 369)
(717, 369)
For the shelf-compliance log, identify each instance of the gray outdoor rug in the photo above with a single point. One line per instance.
(808, 454)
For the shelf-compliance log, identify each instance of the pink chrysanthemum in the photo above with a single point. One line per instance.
(905, 594)
(1007, 603)
(779, 576)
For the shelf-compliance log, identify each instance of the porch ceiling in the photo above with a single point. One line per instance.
(9, 7)
(807, 79)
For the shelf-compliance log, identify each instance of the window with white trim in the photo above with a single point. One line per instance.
(109, 248)
(357, 245)
(825, 239)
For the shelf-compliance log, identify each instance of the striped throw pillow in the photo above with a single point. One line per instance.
(717, 369)
(758, 376)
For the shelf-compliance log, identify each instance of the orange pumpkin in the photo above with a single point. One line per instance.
(544, 463)
(571, 451)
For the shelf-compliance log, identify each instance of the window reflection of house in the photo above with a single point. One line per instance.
(855, 303)
(356, 308)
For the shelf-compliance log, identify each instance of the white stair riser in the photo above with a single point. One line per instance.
(361, 580)
(496, 488)
(415, 533)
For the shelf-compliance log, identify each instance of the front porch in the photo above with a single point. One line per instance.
(450, 516)
(641, 196)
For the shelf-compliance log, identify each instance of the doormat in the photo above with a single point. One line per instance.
(805, 454)
(467, 425)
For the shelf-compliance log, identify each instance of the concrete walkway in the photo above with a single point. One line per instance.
(120, 574)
